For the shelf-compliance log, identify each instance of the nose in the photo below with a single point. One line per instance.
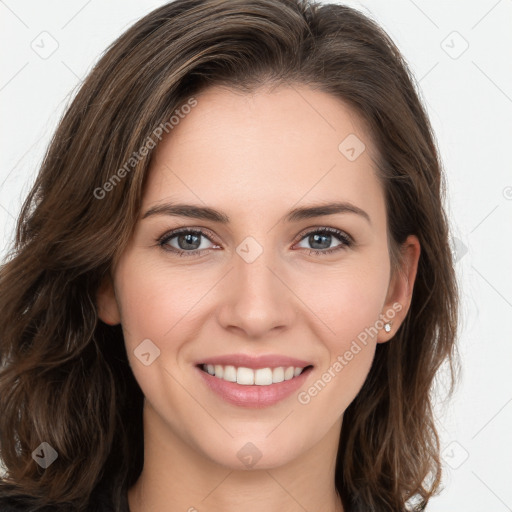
(256, 299)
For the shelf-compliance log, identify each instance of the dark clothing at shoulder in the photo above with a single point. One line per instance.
(100, 501)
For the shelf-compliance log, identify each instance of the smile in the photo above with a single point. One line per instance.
(249, 376)
(253, 387)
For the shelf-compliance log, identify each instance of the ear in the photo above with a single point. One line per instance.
(400, 289)
(108, 309)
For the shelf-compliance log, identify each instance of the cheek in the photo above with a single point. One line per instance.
(157, 305)
(349, 309)
(155, 298)
(347, 301)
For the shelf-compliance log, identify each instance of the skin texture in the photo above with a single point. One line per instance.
(255, 157)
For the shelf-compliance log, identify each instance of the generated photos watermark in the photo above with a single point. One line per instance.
(304, 397)
(149, 144)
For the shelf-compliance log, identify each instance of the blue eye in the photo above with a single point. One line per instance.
(322, 238)
(188, 242)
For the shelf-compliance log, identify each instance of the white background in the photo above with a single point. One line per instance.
(468, 95)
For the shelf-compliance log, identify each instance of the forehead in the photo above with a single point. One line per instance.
(253, 151)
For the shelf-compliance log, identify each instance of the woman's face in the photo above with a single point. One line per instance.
(258, 281)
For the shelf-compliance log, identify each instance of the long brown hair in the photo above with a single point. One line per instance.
(64, 375)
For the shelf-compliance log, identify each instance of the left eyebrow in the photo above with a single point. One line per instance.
(320, 210)
(295, 215)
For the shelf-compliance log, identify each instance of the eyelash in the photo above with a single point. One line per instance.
(346, 240)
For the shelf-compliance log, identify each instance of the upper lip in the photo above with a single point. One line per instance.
(255, 362)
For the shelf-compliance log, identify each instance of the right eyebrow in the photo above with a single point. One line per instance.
(188, 210)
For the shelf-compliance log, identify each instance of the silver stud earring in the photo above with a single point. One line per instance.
(387, 327)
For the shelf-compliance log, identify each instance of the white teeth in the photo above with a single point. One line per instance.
(245, 376)
(288, 373)
(229, 373)
(278, 374)
(249, 377)
(263, 377)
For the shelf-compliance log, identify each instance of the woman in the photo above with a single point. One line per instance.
(232, 283)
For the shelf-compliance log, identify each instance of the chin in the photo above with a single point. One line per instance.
(246, 453)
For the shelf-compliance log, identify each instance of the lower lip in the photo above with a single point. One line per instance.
(253, 396)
